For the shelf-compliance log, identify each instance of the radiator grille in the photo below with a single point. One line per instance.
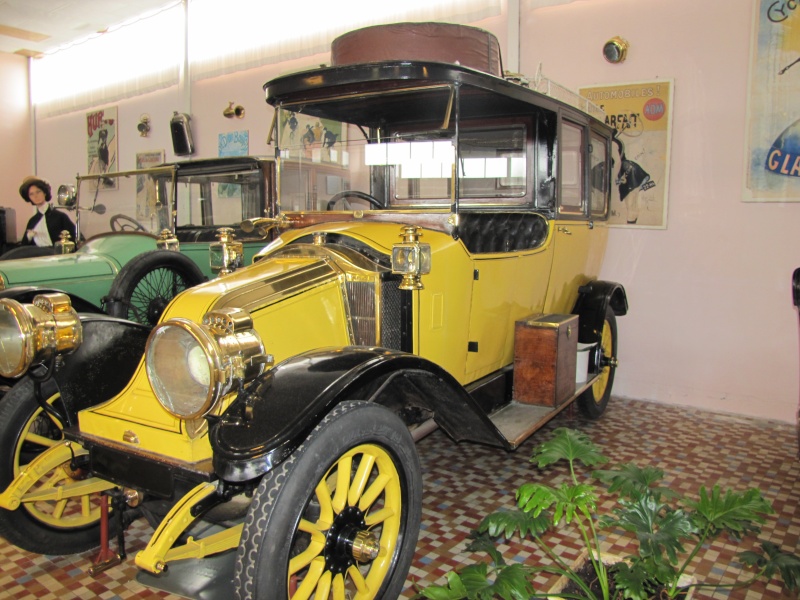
(361, 296)
(391, 325)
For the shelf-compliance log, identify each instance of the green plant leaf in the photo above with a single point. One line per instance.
(454, 590)
(633, 580)
(567, 444)
(658, 528)
(772, 559)
(630, 480)
(482, 542)
(507, 523)
(737, 513)
(535, 498)
(513, 583)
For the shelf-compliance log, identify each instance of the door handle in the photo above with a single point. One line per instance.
(564, 230)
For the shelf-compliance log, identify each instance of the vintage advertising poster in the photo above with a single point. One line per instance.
(146, 198)
(641, 114)
(234, 143)
(101, 145)
(772, 160)
(320, 140)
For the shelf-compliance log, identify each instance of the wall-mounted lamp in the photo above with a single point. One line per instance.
(615, 50)
(144, 125)
(233, 111)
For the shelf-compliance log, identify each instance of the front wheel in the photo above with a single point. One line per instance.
(594, 400)
(340, 517)
(67, 526)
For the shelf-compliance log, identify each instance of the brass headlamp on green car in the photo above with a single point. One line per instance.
(192, 366)
(34, 333)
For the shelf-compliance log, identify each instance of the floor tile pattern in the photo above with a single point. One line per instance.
(463, 482)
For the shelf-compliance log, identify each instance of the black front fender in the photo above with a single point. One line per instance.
(273, 415)
(103, 364)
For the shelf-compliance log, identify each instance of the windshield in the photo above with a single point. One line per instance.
(144, 200)
(329, 165)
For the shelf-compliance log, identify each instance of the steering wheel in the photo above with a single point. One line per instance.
(125, 223)
(355, 194)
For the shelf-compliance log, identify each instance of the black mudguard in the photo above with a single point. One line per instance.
(25, 295)
(273, 415)
(103, 364)
(593, 299)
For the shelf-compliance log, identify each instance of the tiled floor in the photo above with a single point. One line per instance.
(463, 482)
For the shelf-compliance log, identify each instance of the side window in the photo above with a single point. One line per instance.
(572, 180)
(598, 176)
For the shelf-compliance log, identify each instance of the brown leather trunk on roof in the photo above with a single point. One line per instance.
(434, 42)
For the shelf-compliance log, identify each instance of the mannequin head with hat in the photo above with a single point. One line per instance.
(35, 190)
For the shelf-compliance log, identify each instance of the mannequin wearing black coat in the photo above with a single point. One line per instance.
(37, 192)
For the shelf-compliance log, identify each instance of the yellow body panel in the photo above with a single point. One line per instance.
(579, 249)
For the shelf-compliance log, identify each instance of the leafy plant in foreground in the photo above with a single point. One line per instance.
(670, 531)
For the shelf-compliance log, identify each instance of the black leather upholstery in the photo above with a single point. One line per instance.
(486, 232)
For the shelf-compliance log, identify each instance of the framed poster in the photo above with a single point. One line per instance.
(319, 140)
(146, 198)
(641, 114)
(772, 158)
(234, 143)
(101, 145)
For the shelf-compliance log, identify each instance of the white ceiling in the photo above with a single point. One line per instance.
(33, 26)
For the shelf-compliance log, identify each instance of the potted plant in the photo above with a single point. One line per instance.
(669, 530)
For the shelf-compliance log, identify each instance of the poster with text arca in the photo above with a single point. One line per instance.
(772, 157)
(641, 115)
(101, 146)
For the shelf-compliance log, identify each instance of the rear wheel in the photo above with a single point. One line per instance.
(594, 400)
(67, 526)
(340, 517)
(143, 287)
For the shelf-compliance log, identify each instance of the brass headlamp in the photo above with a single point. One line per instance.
(34, 333)
(411, 259)
(192, 366)
(64, 245)
(167, 241)
(227, 254)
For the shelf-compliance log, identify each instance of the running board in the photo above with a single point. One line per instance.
(517, 421)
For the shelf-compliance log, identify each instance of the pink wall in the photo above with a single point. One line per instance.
(16, 153)
(711, 322)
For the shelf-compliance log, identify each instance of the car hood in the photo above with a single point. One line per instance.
(51, 270)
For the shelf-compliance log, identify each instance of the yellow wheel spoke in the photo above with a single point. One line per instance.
(339, 592)
(86, 505)
(58, 510)
(325, 507)
(343, 469)
(324, 586)
(373, 492)
(315, 547)
(358, 579)
(379, 516)
(312, 577)
(40, 440)
(360, 479)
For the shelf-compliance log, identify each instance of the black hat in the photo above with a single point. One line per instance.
(40, 183)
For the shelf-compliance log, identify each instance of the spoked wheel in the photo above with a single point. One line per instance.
(594, 400)
(339, 518)
(66, 526)
(145, 286)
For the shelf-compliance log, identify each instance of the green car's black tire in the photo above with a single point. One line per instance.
(143, 287)
(298, 532)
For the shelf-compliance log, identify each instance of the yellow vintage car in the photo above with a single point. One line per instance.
(440, 232)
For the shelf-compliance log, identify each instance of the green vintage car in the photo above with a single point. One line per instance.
(126, 263)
